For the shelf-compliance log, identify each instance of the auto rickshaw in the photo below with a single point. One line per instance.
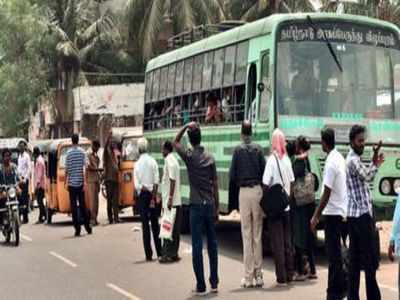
(127, 138)
(57, 196)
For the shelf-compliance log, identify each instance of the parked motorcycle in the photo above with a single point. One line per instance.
(9, 212)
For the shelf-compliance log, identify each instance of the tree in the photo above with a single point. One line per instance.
(148, 19)
(23, 76)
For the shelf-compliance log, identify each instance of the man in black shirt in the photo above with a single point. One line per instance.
(246, 172)
(204, 204)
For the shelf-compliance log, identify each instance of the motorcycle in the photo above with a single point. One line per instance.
(10, 221)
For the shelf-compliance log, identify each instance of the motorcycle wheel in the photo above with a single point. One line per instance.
(15, 230)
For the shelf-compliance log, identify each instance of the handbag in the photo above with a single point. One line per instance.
(167, 224)
(275, 199)
(303, 189)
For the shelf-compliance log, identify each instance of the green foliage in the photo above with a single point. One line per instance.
(23, 72)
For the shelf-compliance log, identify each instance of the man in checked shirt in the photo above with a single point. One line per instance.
(360, 216)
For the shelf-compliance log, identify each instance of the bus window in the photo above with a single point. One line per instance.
(239, 97)
(163, 82)
(241, 63)
(176, 113)
(171, 80)
(229, 66)
(197, 72)
(218, 68)
(207, 70)
(226, 105)
(251, 93)
(149, 76)
(179, 78)
(156, 85)
(265, 95)
(187, 82)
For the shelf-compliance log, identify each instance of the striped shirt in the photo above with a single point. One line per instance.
(75, 164)
(358, 177)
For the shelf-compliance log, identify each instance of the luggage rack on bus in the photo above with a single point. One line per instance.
(200, 32)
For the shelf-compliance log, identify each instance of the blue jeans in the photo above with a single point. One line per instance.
(202, 218)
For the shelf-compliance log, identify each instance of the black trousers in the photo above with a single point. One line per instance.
(79, 214)
(39, 198)
(112, 189)
(23, 200)
(336, 276)
(299, 260)
(171, 248)
(149, 215)
(363, 255)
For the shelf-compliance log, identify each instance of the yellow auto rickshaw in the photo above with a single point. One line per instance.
(127, 139)
(57, 196)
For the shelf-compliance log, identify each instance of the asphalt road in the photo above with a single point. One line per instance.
(52, 264)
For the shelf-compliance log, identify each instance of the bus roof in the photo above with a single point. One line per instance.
(251, 30)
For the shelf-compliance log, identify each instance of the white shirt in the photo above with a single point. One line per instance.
(24, 165)
(335, 179)
(272, 176)
(146, 173)
(171, 172)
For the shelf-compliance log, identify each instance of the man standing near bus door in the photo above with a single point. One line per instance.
(204, 204)
(93, 180)
(247, 168)
(111, 177)
(333, 205)
(24, 173)
(146, 179)
(40, 183)
(362, 231)
(171, 199)
(75, 179)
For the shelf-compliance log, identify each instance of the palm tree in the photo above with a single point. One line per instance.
(79, 29)
(148, 19)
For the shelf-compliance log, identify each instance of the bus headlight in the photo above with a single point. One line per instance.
(12, 193)
(396, 186)
(386, 187)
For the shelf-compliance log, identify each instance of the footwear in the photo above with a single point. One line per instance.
(166, 260)
(259, 281)
(39, 222)
(300, 277)
(176, 258)
(89, 230)
(281, 284)
(245, 283)
(312, 276)
(77, 233)
(197, 292)
(214, 290)
(149, 259)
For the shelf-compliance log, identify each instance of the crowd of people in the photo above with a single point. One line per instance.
(345, 204)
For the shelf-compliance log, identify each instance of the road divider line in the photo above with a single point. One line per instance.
(26, 238)
(63, 259)
(122, 291)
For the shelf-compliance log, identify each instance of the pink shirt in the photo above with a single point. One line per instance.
(40, 173)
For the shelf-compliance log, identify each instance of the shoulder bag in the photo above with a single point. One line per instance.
(275, 199)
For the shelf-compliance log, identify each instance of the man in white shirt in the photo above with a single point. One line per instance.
(171, 200)
(333, 205)
(24, 174)
(146, 178)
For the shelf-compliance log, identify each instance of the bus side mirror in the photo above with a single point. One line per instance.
(261, 87)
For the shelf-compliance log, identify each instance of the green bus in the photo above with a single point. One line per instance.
(299, 72)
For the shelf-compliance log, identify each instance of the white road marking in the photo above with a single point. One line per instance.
(121, 291)
(63, 259)
(26, 238)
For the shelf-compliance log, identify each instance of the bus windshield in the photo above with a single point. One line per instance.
(312, 92)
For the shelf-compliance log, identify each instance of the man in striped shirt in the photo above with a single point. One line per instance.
(75, 174)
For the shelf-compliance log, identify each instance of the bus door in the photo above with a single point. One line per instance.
(264, 88)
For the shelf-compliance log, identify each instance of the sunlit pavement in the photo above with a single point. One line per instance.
(52, 264)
